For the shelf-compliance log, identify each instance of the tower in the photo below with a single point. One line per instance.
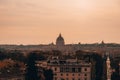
(60, 41)
(108, 68)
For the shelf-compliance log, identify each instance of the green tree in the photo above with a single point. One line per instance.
(2, 55)
(48, 73)
(31, 68)
(98, 66)
(16, 55)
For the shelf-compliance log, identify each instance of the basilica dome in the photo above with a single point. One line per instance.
(60, 40)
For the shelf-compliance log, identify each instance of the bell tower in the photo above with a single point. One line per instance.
(109, 71)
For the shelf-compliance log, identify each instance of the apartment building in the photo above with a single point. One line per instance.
(70, 69)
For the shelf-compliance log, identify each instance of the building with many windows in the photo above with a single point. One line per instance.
(70, 69)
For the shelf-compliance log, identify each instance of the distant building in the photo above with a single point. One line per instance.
(68, 49)
(60, 41)
(70, 69)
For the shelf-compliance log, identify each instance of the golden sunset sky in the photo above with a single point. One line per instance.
(41, 21)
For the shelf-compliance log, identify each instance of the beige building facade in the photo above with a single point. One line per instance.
(70, 69)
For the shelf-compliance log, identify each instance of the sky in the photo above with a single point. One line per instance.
(41, 21)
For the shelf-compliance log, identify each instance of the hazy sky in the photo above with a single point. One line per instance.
(40, 21)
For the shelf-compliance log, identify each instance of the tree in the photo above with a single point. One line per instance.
(48, 73)
(2, 55)
(31, 68)
(115, 65)
(98, 66)
(16, 55)
(115, 76)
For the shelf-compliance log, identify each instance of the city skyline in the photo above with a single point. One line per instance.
(41, 21)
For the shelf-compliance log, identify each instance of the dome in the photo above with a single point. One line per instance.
(60, 40)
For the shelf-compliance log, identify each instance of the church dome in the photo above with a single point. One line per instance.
(60, 40)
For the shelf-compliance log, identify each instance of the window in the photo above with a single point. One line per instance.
(79, 69)
(85, 69)
(61, 74)
(55, 69)
(73, 69)
(66, 74)
(61, 69)
(67, 69)
(85, 74)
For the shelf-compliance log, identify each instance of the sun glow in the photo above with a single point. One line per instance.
(86, 4)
